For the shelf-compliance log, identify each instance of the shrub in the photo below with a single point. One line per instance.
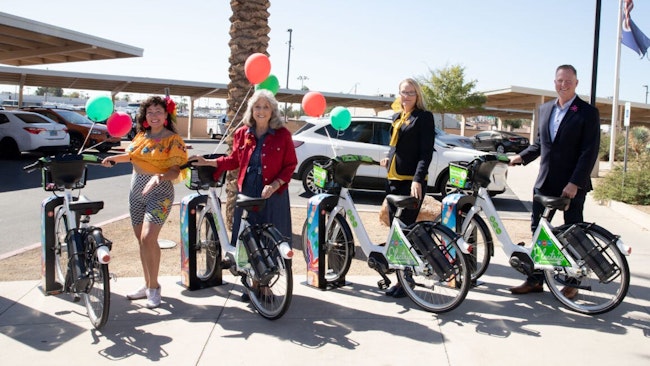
(632, 186)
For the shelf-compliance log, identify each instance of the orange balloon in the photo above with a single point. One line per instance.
(313, 103)
(257, 68)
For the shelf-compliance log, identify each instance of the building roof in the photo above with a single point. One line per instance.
(25, 42)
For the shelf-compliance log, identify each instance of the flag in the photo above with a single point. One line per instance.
(632, 36)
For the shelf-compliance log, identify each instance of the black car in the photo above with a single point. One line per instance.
(499, 141)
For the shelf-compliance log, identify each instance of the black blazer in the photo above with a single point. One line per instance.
(573, 153)
(414, 148)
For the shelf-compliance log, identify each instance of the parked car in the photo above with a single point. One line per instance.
(317, 140)
(79, 128)
(453, 140)
(500, 141)
(22, 131)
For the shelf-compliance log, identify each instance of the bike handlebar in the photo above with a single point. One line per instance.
(190, 163)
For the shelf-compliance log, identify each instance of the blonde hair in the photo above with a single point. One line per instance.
(275, 122)
(419, 102)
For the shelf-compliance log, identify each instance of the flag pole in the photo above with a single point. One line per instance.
(612, 129)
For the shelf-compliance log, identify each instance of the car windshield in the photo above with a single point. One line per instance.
(32, 118)
(75, 118)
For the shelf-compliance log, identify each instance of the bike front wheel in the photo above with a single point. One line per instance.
(60, 245)
(273, 299)
(207, 247)
(595, 295)
(98, 295)
(428, 288)
(339, 249)
(479, 238)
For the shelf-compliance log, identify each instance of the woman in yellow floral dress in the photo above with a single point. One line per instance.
(156, 152)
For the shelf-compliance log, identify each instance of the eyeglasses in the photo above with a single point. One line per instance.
(155, 113)
(408, 93)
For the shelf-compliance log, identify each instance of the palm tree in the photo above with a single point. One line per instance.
(249, 33)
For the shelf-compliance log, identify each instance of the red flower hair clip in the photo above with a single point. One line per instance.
(170, 107)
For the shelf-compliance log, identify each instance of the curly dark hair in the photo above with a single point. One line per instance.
(142, 114)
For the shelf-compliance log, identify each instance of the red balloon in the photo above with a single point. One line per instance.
(313, 103)
(257, 68)
(118, 124)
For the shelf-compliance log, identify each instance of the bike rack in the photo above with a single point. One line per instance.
(316, 209)
(48, 267)
(188, 238)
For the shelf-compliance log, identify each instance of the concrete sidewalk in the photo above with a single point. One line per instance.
(355, 324)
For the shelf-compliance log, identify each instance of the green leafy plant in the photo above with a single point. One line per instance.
(631, 186)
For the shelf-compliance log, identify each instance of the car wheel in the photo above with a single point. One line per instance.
(9, 149)
(501, 149)
(308, 180)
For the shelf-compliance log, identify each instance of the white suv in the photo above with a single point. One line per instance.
(370, 136)
(22, 131)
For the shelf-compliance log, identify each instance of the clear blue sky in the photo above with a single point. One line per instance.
(367, 46)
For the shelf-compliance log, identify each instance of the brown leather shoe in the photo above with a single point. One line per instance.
(526, 287)
(569, 292)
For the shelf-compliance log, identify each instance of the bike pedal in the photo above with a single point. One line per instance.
(382, 284)
(76, 298)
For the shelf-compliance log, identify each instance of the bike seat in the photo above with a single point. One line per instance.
(403, 201)
(84, 206)
(558, 203)
(246, 202)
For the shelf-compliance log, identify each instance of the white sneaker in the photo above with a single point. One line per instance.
(153, 298)
(137, 294)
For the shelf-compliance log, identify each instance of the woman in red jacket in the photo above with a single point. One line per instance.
(263, 151)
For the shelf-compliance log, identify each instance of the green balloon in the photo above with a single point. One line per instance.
(341, 118)
(271, 84)
(99, 108)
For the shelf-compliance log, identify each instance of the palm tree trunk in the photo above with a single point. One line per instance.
(249, 33)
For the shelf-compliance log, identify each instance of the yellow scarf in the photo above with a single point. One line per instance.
(397, 125)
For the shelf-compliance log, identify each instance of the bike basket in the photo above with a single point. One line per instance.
(202, 177)
(582, 248)
(64, 174)
(459, 175)
(434, 251)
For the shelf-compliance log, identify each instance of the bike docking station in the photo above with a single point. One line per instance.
(189, 212)
(48, 240)
(317, 207)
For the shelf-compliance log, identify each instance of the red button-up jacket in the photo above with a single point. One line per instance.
(278, 156)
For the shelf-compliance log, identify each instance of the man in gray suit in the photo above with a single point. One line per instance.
(568, 138)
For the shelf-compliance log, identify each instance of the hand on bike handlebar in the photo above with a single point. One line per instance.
(515, 160)
(200, 160)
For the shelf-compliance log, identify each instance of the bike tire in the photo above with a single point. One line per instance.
(98, 295)
(427, 289)
(479, 238)
(602, 296)
(339, 249)
(60, 245)
(207, 247)
(273, 300)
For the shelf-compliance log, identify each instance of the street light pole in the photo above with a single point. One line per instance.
(646, 94)
(288, 68)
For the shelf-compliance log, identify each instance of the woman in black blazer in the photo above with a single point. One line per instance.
(411, 150)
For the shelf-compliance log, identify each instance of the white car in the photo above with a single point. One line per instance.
(22, 131)
(370, 136)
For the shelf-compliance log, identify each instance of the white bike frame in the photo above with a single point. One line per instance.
(484, 204)
(395, 256)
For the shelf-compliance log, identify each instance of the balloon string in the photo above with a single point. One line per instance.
(81, 148)
(234, 118)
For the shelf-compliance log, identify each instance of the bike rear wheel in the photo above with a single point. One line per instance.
(98, 296)
(272, 300)
(594, 296)
(207, 247)
(427, 288)
(479, 237)
(339, 249)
